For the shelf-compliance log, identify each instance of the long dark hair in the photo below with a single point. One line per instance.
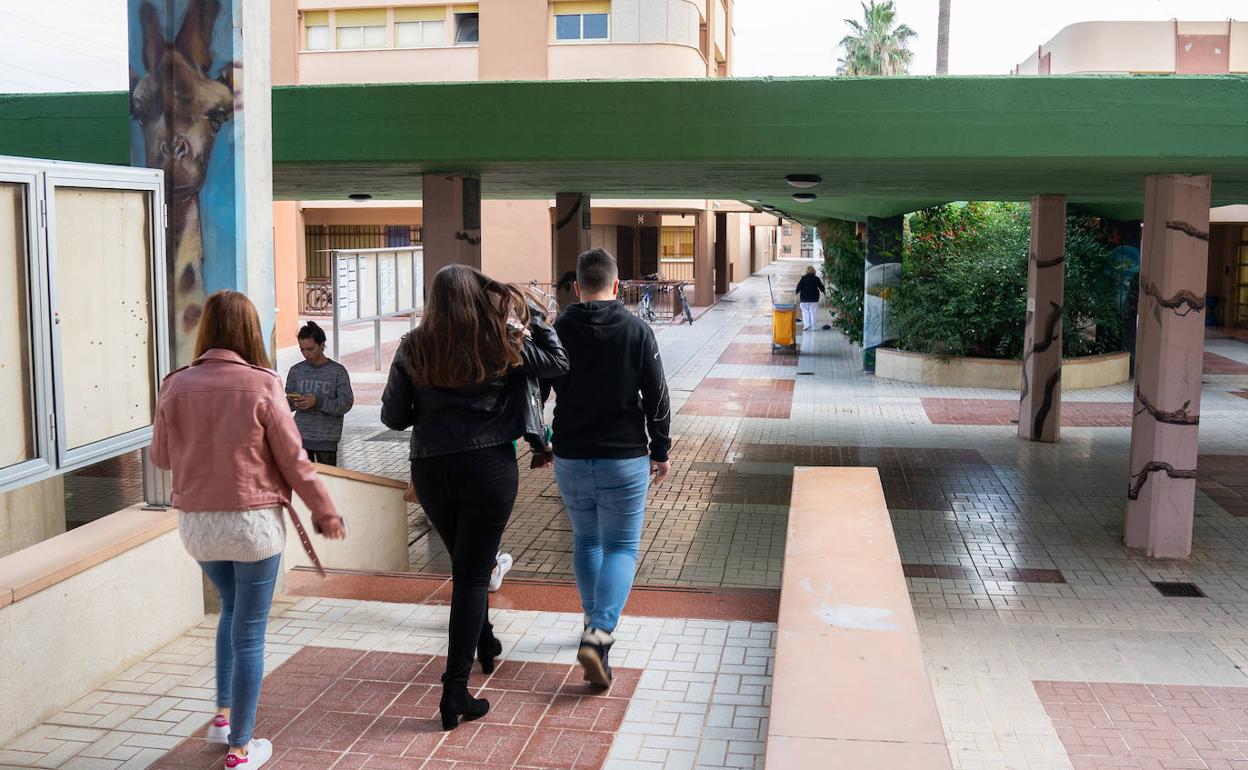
(464, 337)
(230, 322)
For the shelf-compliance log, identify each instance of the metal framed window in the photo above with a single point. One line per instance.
(29, 452)
(467, 28)
(79, 335)
(582, 26)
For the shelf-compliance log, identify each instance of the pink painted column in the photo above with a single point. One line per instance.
(451, 229)
(1174, 260)
(1040, 408)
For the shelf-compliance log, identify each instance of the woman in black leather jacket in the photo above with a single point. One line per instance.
(461, 382)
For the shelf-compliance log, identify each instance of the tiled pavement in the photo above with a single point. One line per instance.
(1024, 595)
(351, 686)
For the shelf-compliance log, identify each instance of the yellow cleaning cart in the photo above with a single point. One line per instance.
(783, 323)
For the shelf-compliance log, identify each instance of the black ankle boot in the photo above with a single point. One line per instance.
(592, 655)
(456, 703)
(488, 649)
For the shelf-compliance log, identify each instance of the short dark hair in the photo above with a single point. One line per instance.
(596, 270)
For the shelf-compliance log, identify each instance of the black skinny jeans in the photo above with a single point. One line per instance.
(468, 496)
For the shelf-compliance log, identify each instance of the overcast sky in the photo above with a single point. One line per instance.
(74, 45)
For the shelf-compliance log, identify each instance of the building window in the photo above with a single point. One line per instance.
(363, 28)
(788, 249)
(411, 34)
(582, 20)
(420, 26)
(316, 35)
(467, 28)
(788, 229)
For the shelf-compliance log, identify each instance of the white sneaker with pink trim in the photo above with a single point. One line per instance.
(219, 730)
(259, 751)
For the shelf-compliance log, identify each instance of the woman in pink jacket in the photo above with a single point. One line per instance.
(224, 429)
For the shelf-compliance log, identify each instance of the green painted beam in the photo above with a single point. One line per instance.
(883, 145)
(83, 127)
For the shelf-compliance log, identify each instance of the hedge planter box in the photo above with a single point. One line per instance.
(993, 373)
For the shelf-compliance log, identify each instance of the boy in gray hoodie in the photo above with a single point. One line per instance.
(319, 392)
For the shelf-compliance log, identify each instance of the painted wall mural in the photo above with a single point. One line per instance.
(186, 113)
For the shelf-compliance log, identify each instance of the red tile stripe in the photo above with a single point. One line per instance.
(755, 605)
(981, 572)
(729, 397)
(1216, 364)
(1105, 726)
(995, 411)
(330, 707)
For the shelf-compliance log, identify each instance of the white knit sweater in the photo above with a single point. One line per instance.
(233, 535)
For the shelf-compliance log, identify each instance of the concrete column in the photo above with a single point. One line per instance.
(289, 251)
(451, 232)
(883, 275)
(516, 236)
(571, 238)
(1040, 408)
(703, 259)
(191, 64)
(723, 274)
(1169, 353)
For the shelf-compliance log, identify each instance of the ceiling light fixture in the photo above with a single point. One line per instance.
(803, 181)
(804, 197)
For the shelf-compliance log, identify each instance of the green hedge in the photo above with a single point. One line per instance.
(964, 286)
(963, 290)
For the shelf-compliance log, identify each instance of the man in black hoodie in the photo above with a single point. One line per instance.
(612, 415)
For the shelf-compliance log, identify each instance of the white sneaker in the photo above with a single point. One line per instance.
(259, 751)
(502, 563)
(219, 730)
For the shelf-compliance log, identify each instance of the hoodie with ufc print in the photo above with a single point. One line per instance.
(613, 402)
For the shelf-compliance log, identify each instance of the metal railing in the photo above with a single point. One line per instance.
(316, 297)
(319, 240)
(653, 301)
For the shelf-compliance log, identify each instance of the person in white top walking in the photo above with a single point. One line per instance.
(808, 292)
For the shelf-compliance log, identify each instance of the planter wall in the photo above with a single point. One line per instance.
(1077, 373)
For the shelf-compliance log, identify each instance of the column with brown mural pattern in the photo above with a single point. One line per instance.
(1040, 408)
(1174, 260)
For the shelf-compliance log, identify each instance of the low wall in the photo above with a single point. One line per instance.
(81, 606)
(996, 374)
(376, 517)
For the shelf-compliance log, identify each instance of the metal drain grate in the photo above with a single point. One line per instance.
(1179, 590)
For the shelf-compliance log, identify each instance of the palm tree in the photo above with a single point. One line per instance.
(875, 46)
(942, 39)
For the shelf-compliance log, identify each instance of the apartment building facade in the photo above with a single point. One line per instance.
(1168, 47)
(361, 41)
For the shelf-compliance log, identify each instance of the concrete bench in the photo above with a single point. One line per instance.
(850, 687)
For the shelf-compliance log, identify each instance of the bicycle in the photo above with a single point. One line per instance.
(550, 303)
(684, 303)
(645, 307)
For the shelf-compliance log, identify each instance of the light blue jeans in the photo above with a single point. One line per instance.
(246, 590)
(606, 500)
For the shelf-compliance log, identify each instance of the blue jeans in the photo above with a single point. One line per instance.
(606, 500)
(246, 590)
